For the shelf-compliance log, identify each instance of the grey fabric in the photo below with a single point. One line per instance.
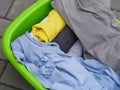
(66, 38)
(95, 25)
(107, 3)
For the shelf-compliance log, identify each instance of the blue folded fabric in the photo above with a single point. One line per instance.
(57, 70)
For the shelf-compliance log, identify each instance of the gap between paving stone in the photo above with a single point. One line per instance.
(4, 7)
(9, 8)
(6, 19)
(13, 78)
(8, 87)
(2, 67)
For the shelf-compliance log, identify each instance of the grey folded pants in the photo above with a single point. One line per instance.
(95, 25)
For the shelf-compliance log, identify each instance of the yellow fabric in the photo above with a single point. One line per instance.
(48, 30)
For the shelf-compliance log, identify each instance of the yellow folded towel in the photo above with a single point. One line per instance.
(46, 31)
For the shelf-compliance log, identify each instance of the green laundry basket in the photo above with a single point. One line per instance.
(19, 26)
(34, 14)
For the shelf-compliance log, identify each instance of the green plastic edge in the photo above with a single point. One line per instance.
(118, 21)
(29, 17)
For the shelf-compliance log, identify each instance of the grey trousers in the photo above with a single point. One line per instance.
(95, 25)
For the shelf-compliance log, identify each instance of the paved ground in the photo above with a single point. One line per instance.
(10, 79)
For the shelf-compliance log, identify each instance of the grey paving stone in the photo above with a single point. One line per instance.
(18, 7)
(2, 65)
(3, 25)
(4, 6)
(12, 77)
(4, 87)
(2, 56)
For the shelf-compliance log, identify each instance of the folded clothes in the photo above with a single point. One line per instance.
(57, 70)
(47, 30)
(95, 25)
(66, 38)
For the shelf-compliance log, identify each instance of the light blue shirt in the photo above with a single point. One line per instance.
(57, 70)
